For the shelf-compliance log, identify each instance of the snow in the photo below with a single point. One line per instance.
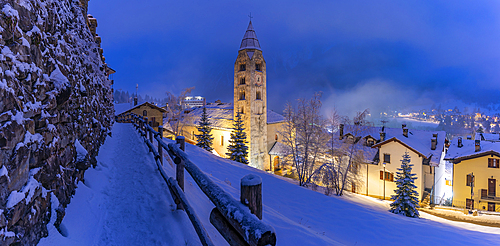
(9, 11)
(29, 189)
(57, 77)
(468, 149)
(251, 180)
(4, 172)
(18, 117)
(124, 201)
(81, 152)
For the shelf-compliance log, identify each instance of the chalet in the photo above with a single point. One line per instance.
(476, 169)
(376, 177)
(145, 109)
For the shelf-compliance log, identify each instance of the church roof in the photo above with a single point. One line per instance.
(250, 40)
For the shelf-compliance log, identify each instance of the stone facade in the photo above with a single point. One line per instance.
(250, 97)
(55, 91)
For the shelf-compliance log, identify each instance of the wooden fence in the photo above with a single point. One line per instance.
(233, 219)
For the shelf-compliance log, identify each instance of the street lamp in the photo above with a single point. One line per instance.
(384, 179)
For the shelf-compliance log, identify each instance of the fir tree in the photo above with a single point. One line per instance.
(205, 138)
(405, 200)
(238, 151)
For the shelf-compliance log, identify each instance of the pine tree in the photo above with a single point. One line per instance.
(238, 151)
(405, 200)
(205, 138)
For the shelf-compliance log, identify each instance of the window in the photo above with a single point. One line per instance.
(388, 176)
(470, 180)
(448, 182)
(242, 80)
(276, 136)
(221, 140)
(242, 111)
(369, 142)
(242, 95)
(257, 96)
(257, 66)
(144, 113)
(242, 67)
(387, 158)
(493, 163)
(192, 134)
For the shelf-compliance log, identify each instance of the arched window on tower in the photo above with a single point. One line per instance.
(242, 80)
(242, 111)
(257, 66)
(258, 96)
(242, 67)
(242, 95)
(144, 113)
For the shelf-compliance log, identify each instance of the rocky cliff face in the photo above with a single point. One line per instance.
(55, 111)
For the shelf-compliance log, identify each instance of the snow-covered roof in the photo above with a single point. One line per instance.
(494, 137)
(417, 140)
(468, 149)
(273, 117)
(124, 107)
(250, 40)
(221, 115)
(279, 149)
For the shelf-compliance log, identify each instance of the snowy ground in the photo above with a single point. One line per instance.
(125, 202)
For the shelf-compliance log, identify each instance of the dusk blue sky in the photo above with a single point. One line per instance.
(360, 54)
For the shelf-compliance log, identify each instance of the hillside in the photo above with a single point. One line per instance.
(300, 216)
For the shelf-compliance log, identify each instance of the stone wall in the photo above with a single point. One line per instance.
(55, 111)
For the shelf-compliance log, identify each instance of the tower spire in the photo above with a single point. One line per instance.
(250, 40)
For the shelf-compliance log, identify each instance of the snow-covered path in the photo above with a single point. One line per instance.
(123, 201)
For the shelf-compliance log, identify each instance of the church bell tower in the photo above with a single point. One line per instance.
(250, 97)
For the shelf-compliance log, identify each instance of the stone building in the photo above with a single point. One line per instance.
(250, 98)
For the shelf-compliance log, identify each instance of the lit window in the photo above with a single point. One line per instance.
(493, 163)
(221, 140)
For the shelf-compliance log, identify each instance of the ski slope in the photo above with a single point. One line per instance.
(124, 201)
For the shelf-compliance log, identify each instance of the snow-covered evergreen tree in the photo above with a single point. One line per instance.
(205, 138)
(405, 200)
(238, 151)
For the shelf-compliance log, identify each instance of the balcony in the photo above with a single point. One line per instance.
(489, 197)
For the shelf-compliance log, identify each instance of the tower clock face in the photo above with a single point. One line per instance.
(258, 79)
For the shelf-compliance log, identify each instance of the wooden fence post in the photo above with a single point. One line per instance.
(150, 132)
(251, 194)
(160, 148)
(144, 127)
(181, 140)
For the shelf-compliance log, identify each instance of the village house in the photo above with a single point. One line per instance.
(145, 109)
(476, 169)
(376, 176)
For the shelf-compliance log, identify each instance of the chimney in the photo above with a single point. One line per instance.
(341, 131)
(135, 101)
(382, 136)
(405, 132)
(460, 145)
(433, 143)
(478, 145)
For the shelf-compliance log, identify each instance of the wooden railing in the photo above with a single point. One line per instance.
(233, 219)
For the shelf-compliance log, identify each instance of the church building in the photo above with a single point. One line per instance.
(250, 99)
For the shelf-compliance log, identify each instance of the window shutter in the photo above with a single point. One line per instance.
(381, 174)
